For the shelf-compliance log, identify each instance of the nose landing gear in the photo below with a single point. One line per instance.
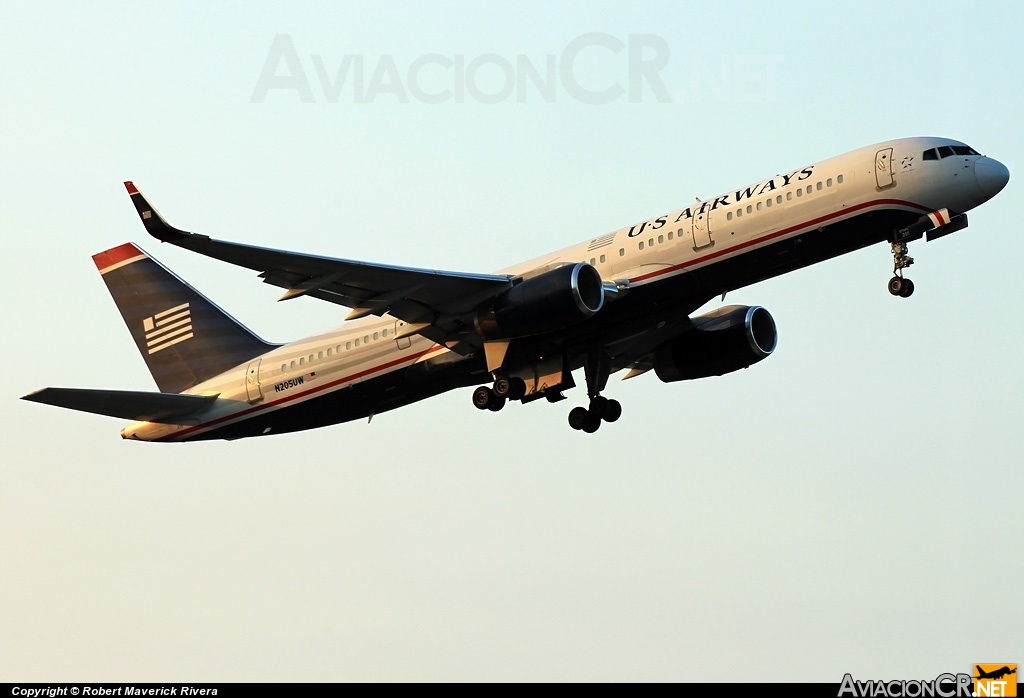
(899, 286)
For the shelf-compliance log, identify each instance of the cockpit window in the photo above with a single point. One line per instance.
(947, 150)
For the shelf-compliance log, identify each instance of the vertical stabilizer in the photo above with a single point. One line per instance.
(184, 338)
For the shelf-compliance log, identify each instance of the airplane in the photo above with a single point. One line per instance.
(622, 301)
(994, 674)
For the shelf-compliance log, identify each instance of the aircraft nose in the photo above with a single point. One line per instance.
(992, 176)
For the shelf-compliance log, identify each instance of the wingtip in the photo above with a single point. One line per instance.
(154, 223)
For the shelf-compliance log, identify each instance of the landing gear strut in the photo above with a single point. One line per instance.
(597, 369)
(899, 286)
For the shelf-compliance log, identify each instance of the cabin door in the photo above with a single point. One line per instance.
(883, 169)
(402, 342)
(252, 382)
(701, 228)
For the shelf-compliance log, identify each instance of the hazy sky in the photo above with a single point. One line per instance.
(849, 505)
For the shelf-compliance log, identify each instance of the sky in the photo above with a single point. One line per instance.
(850, 504)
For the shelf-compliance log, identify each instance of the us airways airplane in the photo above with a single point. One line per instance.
(617, 302)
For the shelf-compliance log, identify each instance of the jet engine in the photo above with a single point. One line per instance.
(722, 341)
(543, 303)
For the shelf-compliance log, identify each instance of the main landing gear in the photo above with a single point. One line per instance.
(899, 286)
(597, 369)
(588, 420)
(505, 388)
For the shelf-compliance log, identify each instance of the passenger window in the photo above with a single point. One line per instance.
(768, 203)
(348, 345)
(320, 355)
(310, 358)
(376, 336)
(302, 361)
(357, 341)
(728, 216)
(839, 179)
(661, 239)
(284, 368)
(818, 186)
(622, 251)
(828, 182)
(758, 205)
(739, 212)
(293, 364)
(366, 339)
(641, 244)
(602, 259)
(670, 235)
(809, 189)
(789, 196)
(591, 261)
(384, 333)
(799, 192)
(778, 199)
(750, 209)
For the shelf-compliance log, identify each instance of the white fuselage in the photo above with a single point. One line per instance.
(887, 176)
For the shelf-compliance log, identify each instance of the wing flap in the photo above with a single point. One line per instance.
(164, 408)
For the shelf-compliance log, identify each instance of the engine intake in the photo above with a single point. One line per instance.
(543, 303)
(722, 341)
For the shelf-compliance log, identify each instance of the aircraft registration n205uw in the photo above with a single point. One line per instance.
(620, 301)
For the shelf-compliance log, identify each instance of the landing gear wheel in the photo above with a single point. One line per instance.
(502, 385)
(592, 423)
(908, 288)
(482, 397)
(612, 411)
(896, 284)
(496, 404)
(598, 406)
(578, 417)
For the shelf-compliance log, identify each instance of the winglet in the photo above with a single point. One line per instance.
(155, 224)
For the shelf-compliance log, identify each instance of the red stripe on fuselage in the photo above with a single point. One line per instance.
(292, 398)
(785, 231)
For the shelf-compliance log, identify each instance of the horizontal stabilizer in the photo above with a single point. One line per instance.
(165, 408)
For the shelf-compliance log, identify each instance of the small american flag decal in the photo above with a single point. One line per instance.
(168, 328)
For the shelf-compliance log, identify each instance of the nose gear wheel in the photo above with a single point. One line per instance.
(899, 286)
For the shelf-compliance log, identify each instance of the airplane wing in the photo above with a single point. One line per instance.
(165, 408)
(434, 302)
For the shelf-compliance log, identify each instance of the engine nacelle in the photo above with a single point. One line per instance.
(723, 341)
(546, 302)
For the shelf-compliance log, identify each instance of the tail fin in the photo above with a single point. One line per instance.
(184, 338)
